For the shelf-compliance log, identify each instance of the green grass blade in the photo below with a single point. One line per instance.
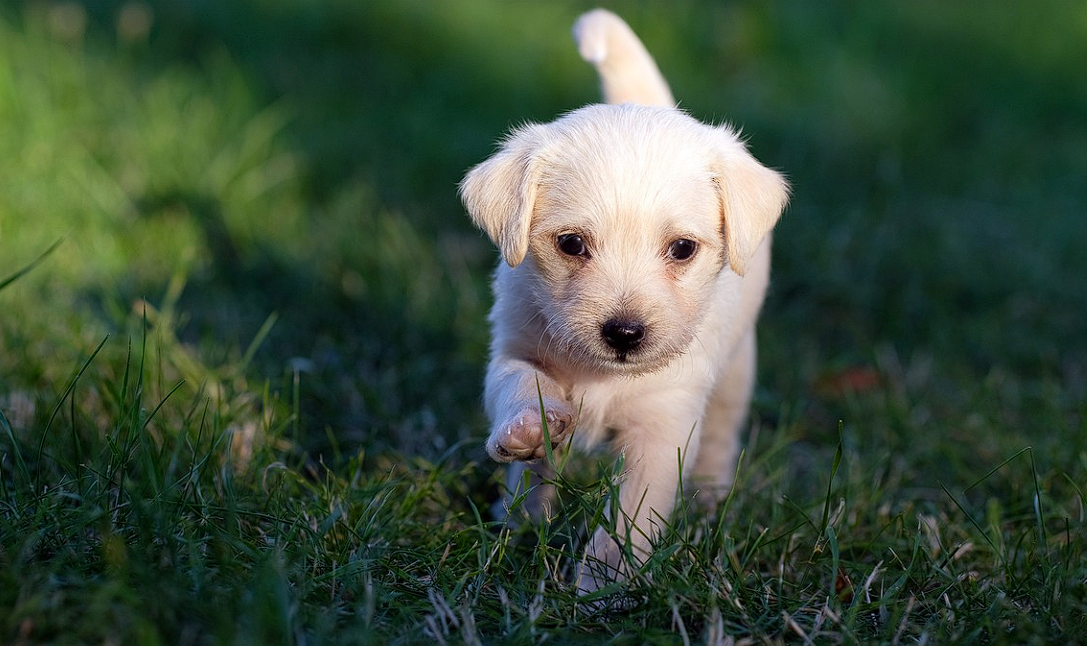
(258, 340)
(1025, 449)
(830, 481)
(1037, 504)
(973, 522)
(1079, 494)
(56, 409)
(549, 452)
(832, 541)
(29, 267)
(15, 450)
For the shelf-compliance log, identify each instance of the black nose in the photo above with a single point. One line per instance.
(623, 335)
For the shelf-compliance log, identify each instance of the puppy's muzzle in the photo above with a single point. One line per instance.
(623, 335)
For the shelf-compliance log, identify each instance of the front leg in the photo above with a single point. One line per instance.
(658, 451)
(513, 394)
(725, 416)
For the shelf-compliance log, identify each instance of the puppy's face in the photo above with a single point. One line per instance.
(624, 250)
(624, 217)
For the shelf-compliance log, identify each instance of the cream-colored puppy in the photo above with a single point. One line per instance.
(636, 248)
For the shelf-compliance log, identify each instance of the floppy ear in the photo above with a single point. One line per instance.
(752, 198)
(500, 193)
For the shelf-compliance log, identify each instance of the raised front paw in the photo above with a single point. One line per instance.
(521, 436)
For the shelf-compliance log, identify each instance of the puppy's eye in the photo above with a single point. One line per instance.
(572, 244)
(682, 249)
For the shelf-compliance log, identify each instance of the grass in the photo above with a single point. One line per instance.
(239, 399)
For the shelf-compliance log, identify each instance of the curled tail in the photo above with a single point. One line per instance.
(627, 71)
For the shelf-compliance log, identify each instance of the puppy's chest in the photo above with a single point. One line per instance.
(604, 410)
(659, 402)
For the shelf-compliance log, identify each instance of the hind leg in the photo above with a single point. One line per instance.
(725, 414)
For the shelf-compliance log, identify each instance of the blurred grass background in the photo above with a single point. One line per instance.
(255, 203)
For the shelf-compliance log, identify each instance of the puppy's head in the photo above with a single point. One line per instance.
(620, 220)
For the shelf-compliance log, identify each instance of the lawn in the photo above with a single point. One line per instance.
(242, 326)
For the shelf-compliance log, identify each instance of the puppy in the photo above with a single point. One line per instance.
(635, 248)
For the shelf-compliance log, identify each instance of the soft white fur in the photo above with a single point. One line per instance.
(630, 180)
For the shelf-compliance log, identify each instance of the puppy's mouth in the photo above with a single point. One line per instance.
(634, 364)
